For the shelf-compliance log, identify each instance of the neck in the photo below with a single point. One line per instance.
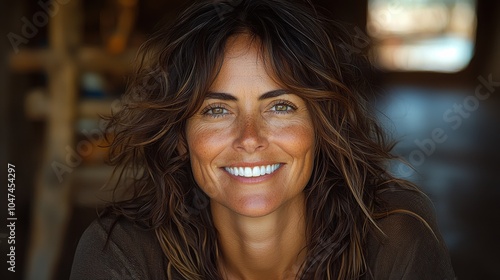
(268, 247)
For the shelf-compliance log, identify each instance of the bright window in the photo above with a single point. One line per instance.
(422, 35)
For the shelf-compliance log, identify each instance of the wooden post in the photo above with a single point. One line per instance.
(52, 198)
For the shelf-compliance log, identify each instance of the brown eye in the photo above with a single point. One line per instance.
(218, 111)
(281, 107)
(215, 111)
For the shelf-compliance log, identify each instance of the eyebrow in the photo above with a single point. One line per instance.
(230, 97)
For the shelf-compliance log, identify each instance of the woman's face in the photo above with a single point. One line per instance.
(251, 144)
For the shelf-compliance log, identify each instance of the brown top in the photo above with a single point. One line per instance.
(410, 251)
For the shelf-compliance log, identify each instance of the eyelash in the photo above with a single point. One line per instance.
(290, 108)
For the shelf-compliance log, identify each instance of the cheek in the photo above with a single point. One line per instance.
(298, 142)
(297, 138)
(204, 146)
(203, 141)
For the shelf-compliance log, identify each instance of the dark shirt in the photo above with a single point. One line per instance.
(408, 251)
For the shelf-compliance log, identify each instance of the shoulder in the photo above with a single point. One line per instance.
(406, 217)
(411, 246)
(405, 212)
(113, 248)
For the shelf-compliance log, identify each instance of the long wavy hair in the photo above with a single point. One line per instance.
(309, 55)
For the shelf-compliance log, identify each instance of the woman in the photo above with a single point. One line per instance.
(253, 156)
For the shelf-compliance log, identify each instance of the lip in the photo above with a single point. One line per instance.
(251, 164)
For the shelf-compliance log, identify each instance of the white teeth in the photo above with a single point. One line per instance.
(256, 171)
(248, 172)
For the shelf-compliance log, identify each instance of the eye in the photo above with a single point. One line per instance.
(215, 111)
(283, 107)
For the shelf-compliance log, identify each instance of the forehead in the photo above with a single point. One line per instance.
(243, 65)
(240, 45)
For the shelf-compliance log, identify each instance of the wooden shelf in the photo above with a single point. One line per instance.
(92, 108)
(37, 106)
(87, 58)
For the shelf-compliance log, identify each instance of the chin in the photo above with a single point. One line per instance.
(256, 207)
(255, 212)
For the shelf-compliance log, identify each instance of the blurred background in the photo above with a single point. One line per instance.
(64, 62)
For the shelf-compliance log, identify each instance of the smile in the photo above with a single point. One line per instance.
(255, 171)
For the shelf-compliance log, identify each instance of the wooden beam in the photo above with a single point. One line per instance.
(52, 205)
(37, 105)
(29, 60)
(87, 59)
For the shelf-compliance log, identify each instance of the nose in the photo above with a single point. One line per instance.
(250, 135)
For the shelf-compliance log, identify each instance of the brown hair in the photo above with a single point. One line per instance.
(306, 52)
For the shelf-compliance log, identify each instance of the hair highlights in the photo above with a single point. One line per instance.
(301, 49)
